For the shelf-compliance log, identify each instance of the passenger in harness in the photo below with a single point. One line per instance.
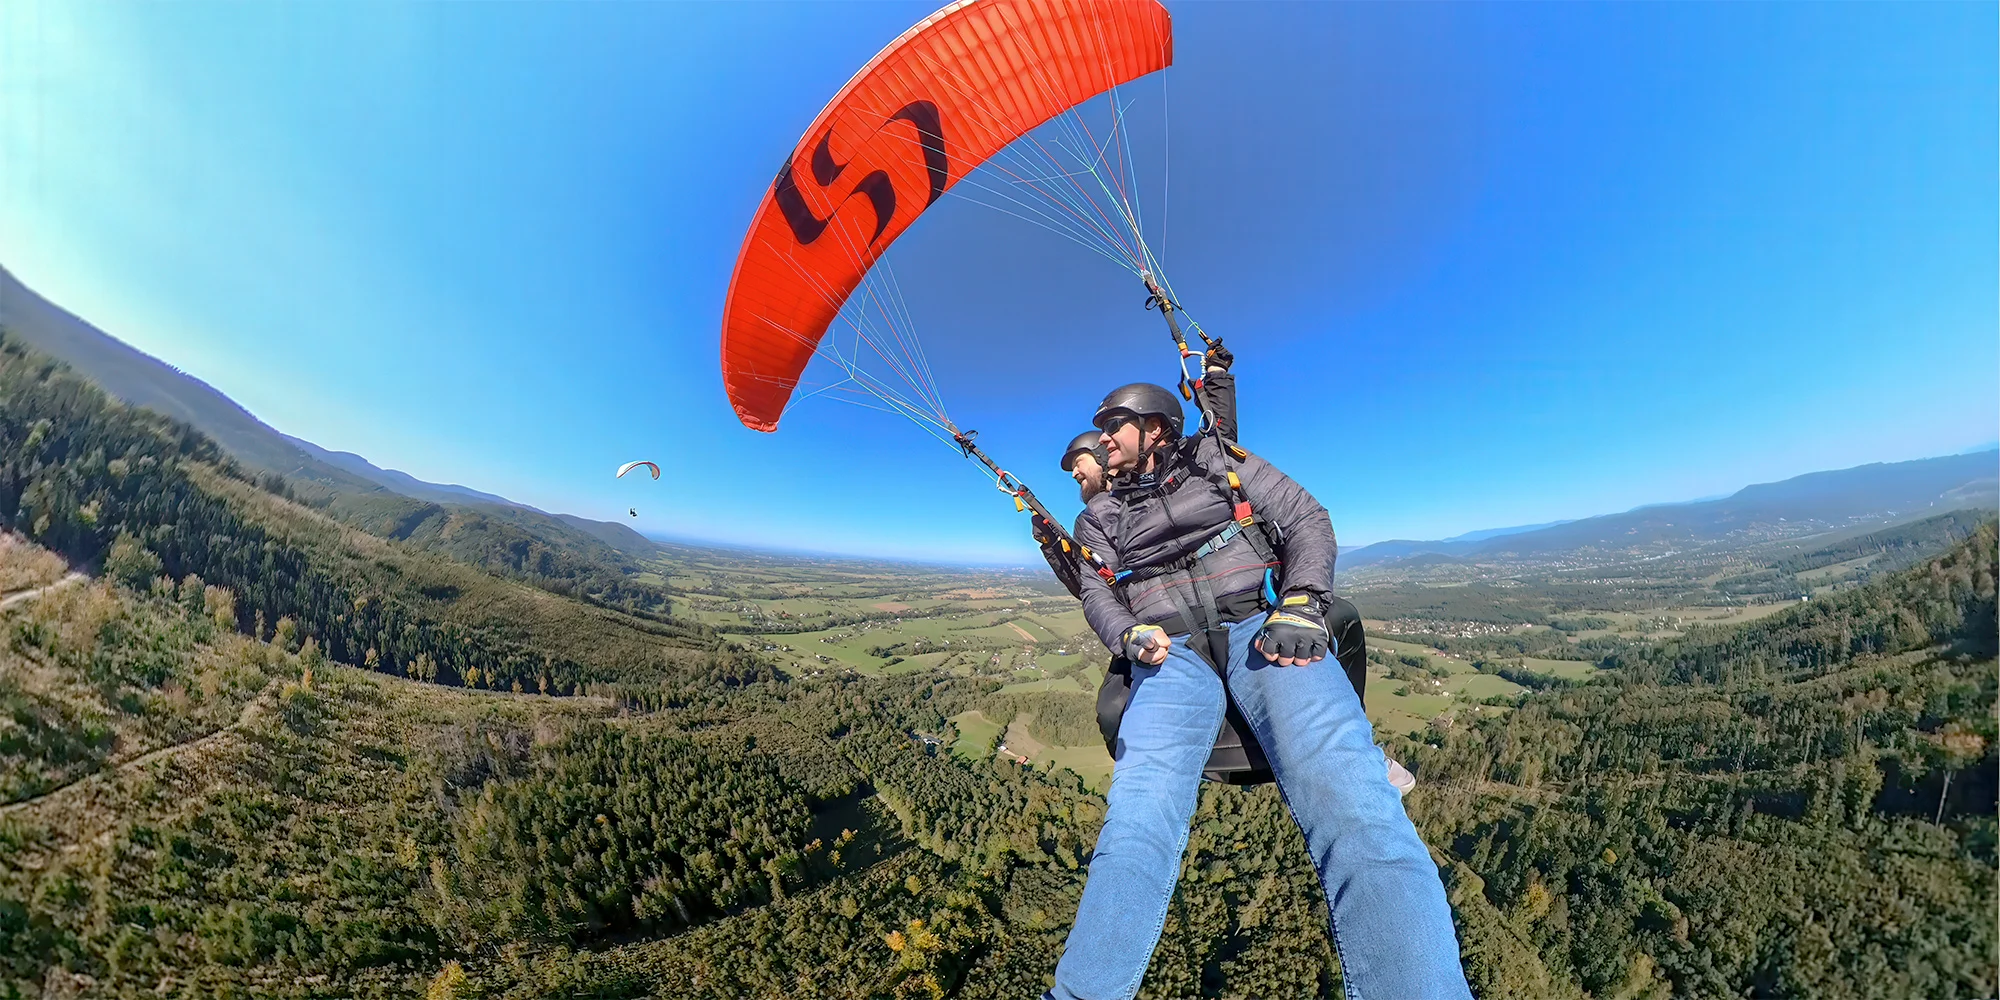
(1220, 570)
(1084, 461)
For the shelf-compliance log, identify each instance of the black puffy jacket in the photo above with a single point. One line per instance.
(1135, 528)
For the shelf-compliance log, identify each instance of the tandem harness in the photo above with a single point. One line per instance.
(1236, 758)
(1205, 617)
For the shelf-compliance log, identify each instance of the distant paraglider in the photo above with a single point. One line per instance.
(628, 467)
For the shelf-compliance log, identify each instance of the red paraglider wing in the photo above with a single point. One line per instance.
(930, 107)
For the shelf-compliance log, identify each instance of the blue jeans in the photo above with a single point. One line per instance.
(1391, 924)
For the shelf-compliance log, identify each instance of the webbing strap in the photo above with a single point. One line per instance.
(1213, 630)
(1257, 534)
(1205, 631)
(1230, 485)
(1192, 560)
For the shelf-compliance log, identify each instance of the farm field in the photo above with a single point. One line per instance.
(1400, 716)
(811, 617)
(979, 637)
(1410, 648)
(1736, 615)
(1013, 629)
(1575, 670)
(1837, 570)
(975, 734)
(1070, 684)
(1672, 621)
(1396, 713)
(1057, 663)
(1019, 740)
(1091, 763)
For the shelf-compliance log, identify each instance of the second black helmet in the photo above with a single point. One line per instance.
(1083, 444)
(1144, 399)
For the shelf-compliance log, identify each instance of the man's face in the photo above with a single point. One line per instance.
(1121, 437)
(1088, 474)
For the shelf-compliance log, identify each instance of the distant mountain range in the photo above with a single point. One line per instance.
(139, 379)
(1881, 492)
(1486, 533)
(400, 482)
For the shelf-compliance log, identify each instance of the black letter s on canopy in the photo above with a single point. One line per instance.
(785, 191)
(807, 227)
(880, 191)
(825, 171)
(930, 132)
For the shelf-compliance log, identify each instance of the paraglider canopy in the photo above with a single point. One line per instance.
(629, 466)
(938, 101)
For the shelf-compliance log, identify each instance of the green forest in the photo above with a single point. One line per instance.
(266, 752)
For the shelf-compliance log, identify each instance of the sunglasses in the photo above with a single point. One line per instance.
(1118, 421)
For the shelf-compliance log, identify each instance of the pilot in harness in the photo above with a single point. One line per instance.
(1236, 758)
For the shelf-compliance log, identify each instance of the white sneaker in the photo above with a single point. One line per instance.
(1401, 777)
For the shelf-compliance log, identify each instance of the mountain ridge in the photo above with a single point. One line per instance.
(397, 480)
(1888, 490)
(138, 379)
(1486, 533)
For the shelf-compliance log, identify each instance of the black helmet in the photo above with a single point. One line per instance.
(1084, 443)
(1144, 399)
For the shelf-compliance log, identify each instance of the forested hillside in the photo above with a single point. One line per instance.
(1788, 831)
(571, 556)
(141, 495)
(1799, 807)
(264, 753)
(208, 815)
(513, 542)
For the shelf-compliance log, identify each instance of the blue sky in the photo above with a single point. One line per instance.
(1482, 264)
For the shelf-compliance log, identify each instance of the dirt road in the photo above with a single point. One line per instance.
(29, 595)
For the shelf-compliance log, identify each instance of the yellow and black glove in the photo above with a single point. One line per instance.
(1295, 630)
